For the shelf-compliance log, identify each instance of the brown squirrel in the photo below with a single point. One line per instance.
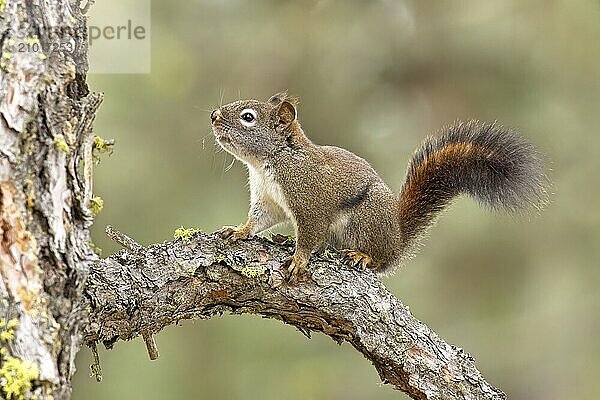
(331, 196)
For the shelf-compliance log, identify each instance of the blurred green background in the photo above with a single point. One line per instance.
(374, 77)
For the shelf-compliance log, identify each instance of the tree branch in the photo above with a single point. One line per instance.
(140, 292)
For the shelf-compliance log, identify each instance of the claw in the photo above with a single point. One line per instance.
(355, 258)
(225, 232)
(233, 233)
(296, 269)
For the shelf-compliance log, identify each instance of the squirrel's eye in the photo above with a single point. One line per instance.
(248, 117)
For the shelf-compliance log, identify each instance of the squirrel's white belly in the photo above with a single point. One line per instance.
(264, 186)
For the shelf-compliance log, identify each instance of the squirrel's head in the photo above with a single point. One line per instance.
(252, 130)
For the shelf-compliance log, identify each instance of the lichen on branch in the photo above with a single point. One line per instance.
(16, 375)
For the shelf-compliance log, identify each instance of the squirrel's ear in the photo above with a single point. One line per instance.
(287, 114)
(277, 99)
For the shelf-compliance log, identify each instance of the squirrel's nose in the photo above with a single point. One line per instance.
(215, 115)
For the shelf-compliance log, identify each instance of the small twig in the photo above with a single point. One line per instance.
(123, 239)
(95, 369)
(85, 5)
(150, 345)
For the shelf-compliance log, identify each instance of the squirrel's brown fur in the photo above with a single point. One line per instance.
(331, 196)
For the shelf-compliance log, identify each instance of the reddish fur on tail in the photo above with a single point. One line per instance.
(484, 160)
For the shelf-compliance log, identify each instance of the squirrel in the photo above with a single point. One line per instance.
(334, 197)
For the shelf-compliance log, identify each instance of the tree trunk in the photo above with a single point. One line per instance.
(56, 293)
(45, 192)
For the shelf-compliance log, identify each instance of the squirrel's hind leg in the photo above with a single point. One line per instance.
(355, 258)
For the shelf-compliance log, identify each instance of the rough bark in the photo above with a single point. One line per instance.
(142, 290)
(46, 113)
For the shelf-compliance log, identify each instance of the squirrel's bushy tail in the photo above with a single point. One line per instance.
(485, 160)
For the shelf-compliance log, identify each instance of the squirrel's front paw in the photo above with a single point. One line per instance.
(234, 232)
(297, 269)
